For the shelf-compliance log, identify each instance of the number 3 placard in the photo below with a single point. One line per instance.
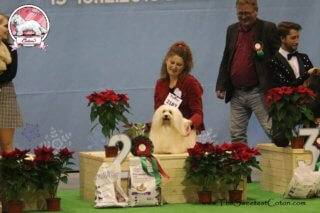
(309, 145)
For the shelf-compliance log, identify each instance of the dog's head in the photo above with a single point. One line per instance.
(169, 116)
(166, 115)
(16, 19)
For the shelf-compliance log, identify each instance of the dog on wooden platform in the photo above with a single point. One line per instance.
(170, 132)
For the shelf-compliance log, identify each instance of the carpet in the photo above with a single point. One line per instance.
(258, 201)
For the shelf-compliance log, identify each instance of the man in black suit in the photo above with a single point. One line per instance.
(288, 67)
(242, 78)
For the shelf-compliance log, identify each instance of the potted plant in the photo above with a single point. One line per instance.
(134, 130)
(108, 108)
(238, 160)
(203, 167)
(289, 110)
(13, 179)
(52, 167)
(137, 132)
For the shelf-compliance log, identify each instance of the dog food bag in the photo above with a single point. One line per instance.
(143, 189)
(304, 183)
(108, 189)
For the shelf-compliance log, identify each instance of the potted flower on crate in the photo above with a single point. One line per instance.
(289, 110)
(13, 179)
(203, 168)
(108, 108)
(52, 167)
(238, 160)
(134, 130)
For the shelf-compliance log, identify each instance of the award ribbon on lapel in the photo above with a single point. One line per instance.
(258, 47)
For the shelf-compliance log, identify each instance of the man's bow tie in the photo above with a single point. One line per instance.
(290, 55)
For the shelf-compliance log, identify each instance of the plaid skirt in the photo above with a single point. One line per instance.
(10, 116)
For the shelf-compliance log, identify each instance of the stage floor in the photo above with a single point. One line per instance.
(258, 201)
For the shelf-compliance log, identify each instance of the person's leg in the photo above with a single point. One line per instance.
(239, 117)
(259, 109)
(255, 100)
(6, 139)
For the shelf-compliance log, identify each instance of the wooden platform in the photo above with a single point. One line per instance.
(175, 190)
(277, 164)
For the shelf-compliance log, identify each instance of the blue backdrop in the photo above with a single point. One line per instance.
(98, 44)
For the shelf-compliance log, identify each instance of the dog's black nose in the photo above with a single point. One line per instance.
(166, 116)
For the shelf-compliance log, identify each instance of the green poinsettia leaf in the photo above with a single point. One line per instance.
(282, 115)
(308, 113)
(295, 97)
(64, 179)
(94, 113)
(280, 105)
(288, 134)
(94, 126)
(106, 131)
(103, 120)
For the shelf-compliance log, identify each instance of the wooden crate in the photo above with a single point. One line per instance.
(278, 164)
(174, 190)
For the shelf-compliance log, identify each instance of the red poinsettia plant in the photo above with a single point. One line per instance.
(238, 160)
(51, 167)
(108, 107)
(203, 165)
(14, 177)
(289, 109)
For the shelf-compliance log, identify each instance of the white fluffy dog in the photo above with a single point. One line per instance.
(170, 131)
(23, 25)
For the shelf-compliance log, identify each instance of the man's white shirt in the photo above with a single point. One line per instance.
(293, 62)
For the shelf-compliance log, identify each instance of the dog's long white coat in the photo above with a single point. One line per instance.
(170, 137)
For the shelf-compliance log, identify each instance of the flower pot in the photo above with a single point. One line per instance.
(111, 151)
(53, 204)
(15, 206)
(297, 143)
(235, 196)
(205, 197)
